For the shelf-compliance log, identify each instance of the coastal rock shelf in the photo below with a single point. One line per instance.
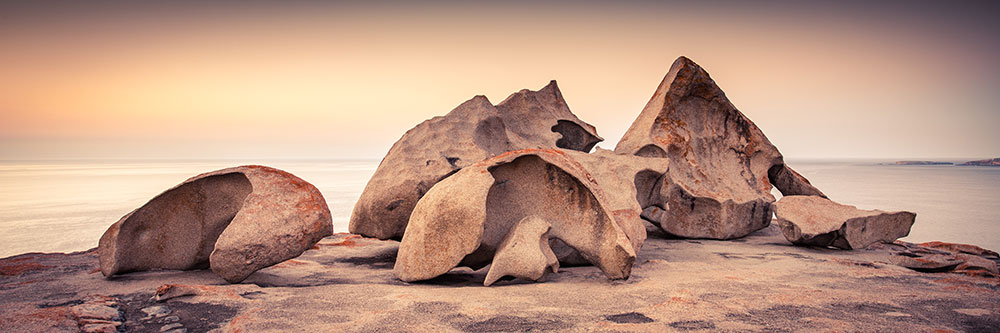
(759, 283)
(672, 230)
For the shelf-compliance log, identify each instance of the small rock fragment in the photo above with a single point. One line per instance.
(99, 328)
(156, 311)
(169, 327)
(925, 263)
(816, 221)
(524, 252)
(96, 311)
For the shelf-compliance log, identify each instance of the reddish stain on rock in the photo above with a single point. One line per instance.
(18, 266)
(348, 242)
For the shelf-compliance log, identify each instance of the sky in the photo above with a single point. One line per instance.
(329, 80)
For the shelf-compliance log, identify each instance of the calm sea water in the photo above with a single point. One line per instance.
(67, 206)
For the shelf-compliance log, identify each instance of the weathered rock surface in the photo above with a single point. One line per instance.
(235, 220)
(812, 220)
(543, 120)
(760, 283)
(472, 132)
(721, 164)
(524, 252)
(517, 184)
(629, 182)
(941, 256)
(449, 226)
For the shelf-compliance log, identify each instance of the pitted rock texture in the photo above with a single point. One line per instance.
(236, 221)
(454, 224)
(718, 184)
(473, 131)
(628, 183)
(812, 220)
(543, 120)
(524, 253)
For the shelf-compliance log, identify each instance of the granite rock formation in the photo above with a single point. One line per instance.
(816, 221)
(630, 183)
(472, 132)
(463, 220)
(722, 167)
(235, 221)
(524, 253)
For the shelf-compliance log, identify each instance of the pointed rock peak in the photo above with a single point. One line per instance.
(553, 89)
(550, 90)
(685, 76)
(479, 102)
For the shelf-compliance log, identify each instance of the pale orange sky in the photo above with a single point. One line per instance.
(256, 80)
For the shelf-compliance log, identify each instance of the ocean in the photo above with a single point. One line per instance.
(64, 206)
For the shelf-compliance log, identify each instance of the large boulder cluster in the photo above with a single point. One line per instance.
(514, 186)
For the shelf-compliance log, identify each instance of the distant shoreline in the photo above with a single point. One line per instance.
(995, 162)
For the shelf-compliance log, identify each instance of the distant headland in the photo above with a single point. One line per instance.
(987, 162)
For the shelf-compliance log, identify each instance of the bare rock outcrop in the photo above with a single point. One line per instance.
(472, 132)
(812, 220)
(235, 221)
(721, 164)
(463, 220)
(524, 253)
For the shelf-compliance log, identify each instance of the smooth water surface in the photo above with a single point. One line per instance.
(67, 206)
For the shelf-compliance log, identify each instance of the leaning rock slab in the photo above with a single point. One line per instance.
(719, 181)
(524, 252)
(516, 184)
(472, 132)
(235, 221)
(811, 220)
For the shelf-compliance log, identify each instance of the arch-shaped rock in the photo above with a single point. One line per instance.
(546, 183)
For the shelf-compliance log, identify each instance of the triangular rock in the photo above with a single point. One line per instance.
(719, 182)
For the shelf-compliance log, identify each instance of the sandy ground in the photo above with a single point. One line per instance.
(758, 283)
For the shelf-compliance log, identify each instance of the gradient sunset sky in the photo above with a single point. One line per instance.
(311, 79)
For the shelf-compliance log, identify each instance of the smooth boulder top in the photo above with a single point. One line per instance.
(235, 221)
(718, 184)
(812, 220)
(453, 226)
(473, 131)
